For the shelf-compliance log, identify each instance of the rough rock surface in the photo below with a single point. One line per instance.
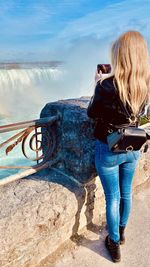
(40, 212)
(75, 141)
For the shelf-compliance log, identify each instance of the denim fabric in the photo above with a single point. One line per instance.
(116, 172)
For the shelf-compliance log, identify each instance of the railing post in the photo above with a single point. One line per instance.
(36, 140)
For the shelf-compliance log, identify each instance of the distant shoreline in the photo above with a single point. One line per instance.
(31, 64)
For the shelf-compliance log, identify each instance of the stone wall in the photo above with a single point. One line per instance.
(40, 212)
(75, 141)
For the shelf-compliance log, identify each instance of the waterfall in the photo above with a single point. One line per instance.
(25, 90)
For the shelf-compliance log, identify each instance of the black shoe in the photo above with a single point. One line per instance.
(122, 236)
(113, 248)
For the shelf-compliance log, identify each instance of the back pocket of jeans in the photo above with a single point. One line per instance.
(109, 159)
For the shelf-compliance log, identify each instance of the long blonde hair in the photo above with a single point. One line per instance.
(131, 69)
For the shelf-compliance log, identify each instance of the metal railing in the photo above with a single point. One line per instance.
(34, 133)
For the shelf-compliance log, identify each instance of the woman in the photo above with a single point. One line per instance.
(129, 82)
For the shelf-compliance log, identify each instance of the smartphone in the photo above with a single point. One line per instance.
(105, 68)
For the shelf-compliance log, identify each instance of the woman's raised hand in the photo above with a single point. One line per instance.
(98, 76)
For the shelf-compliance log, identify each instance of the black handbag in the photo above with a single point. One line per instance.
(129, 137)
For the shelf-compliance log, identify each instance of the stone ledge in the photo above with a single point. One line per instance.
(38, 214)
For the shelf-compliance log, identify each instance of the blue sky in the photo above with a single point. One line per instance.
(48, 29)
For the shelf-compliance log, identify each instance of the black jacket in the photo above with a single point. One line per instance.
(105, 109)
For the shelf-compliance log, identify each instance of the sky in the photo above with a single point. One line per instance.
(54, 29)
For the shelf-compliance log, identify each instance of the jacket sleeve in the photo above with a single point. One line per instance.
(94, 106)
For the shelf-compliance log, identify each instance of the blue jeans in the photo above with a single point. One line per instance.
(116, 172)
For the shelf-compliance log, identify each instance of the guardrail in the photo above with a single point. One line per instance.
(33, 134)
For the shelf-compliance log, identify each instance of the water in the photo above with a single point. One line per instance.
(24, 90)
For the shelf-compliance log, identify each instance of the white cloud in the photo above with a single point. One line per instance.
(110, 21)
